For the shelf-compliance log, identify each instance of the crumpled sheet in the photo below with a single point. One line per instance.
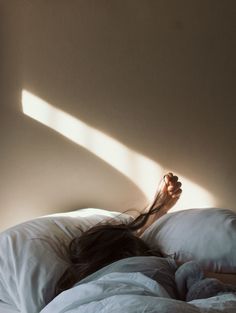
(132, 293)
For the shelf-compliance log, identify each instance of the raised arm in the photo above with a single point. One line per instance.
(166, 196)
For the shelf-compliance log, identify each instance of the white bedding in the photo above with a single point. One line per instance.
(132, 293)
(32, 260)
(32, 257)
(134, 285)
(6, 308)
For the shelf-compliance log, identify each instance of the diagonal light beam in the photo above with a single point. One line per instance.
(141, 170)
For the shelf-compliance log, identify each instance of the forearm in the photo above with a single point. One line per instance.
(166, 197)
(152, 219)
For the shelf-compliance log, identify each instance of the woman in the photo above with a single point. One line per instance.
(106, 243)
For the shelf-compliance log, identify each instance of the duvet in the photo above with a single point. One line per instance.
(134, 285)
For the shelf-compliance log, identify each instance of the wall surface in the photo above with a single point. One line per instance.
(156, 76)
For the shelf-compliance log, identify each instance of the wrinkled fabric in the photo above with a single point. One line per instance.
(132, 292)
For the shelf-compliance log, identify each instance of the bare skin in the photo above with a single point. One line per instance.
(167, 195)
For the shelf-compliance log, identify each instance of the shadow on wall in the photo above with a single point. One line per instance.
(141, 170)
(157, 76)
(153, 80)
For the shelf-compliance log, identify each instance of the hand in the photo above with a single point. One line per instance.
(168, 192)
(165, 198)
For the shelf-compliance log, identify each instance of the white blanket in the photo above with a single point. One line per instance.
(131, 293)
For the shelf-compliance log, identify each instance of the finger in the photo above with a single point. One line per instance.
(177, 194)
(174, 191)
(173, 179)
(173, 187)
(167, 177)
(172, 182)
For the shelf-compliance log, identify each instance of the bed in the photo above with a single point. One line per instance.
(33, 257)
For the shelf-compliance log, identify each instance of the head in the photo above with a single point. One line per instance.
(101, 245)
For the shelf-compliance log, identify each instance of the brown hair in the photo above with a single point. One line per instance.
(103, 244)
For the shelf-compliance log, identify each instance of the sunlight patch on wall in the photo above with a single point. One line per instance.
(193, 196)
(139, 169)
(142, 171)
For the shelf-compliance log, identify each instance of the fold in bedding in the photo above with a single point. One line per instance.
(134, 293)
(117, 287)
(7, 308)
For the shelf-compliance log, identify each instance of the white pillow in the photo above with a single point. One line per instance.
(205, 235)
(32, 258)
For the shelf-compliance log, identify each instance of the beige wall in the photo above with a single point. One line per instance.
(158, 76)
